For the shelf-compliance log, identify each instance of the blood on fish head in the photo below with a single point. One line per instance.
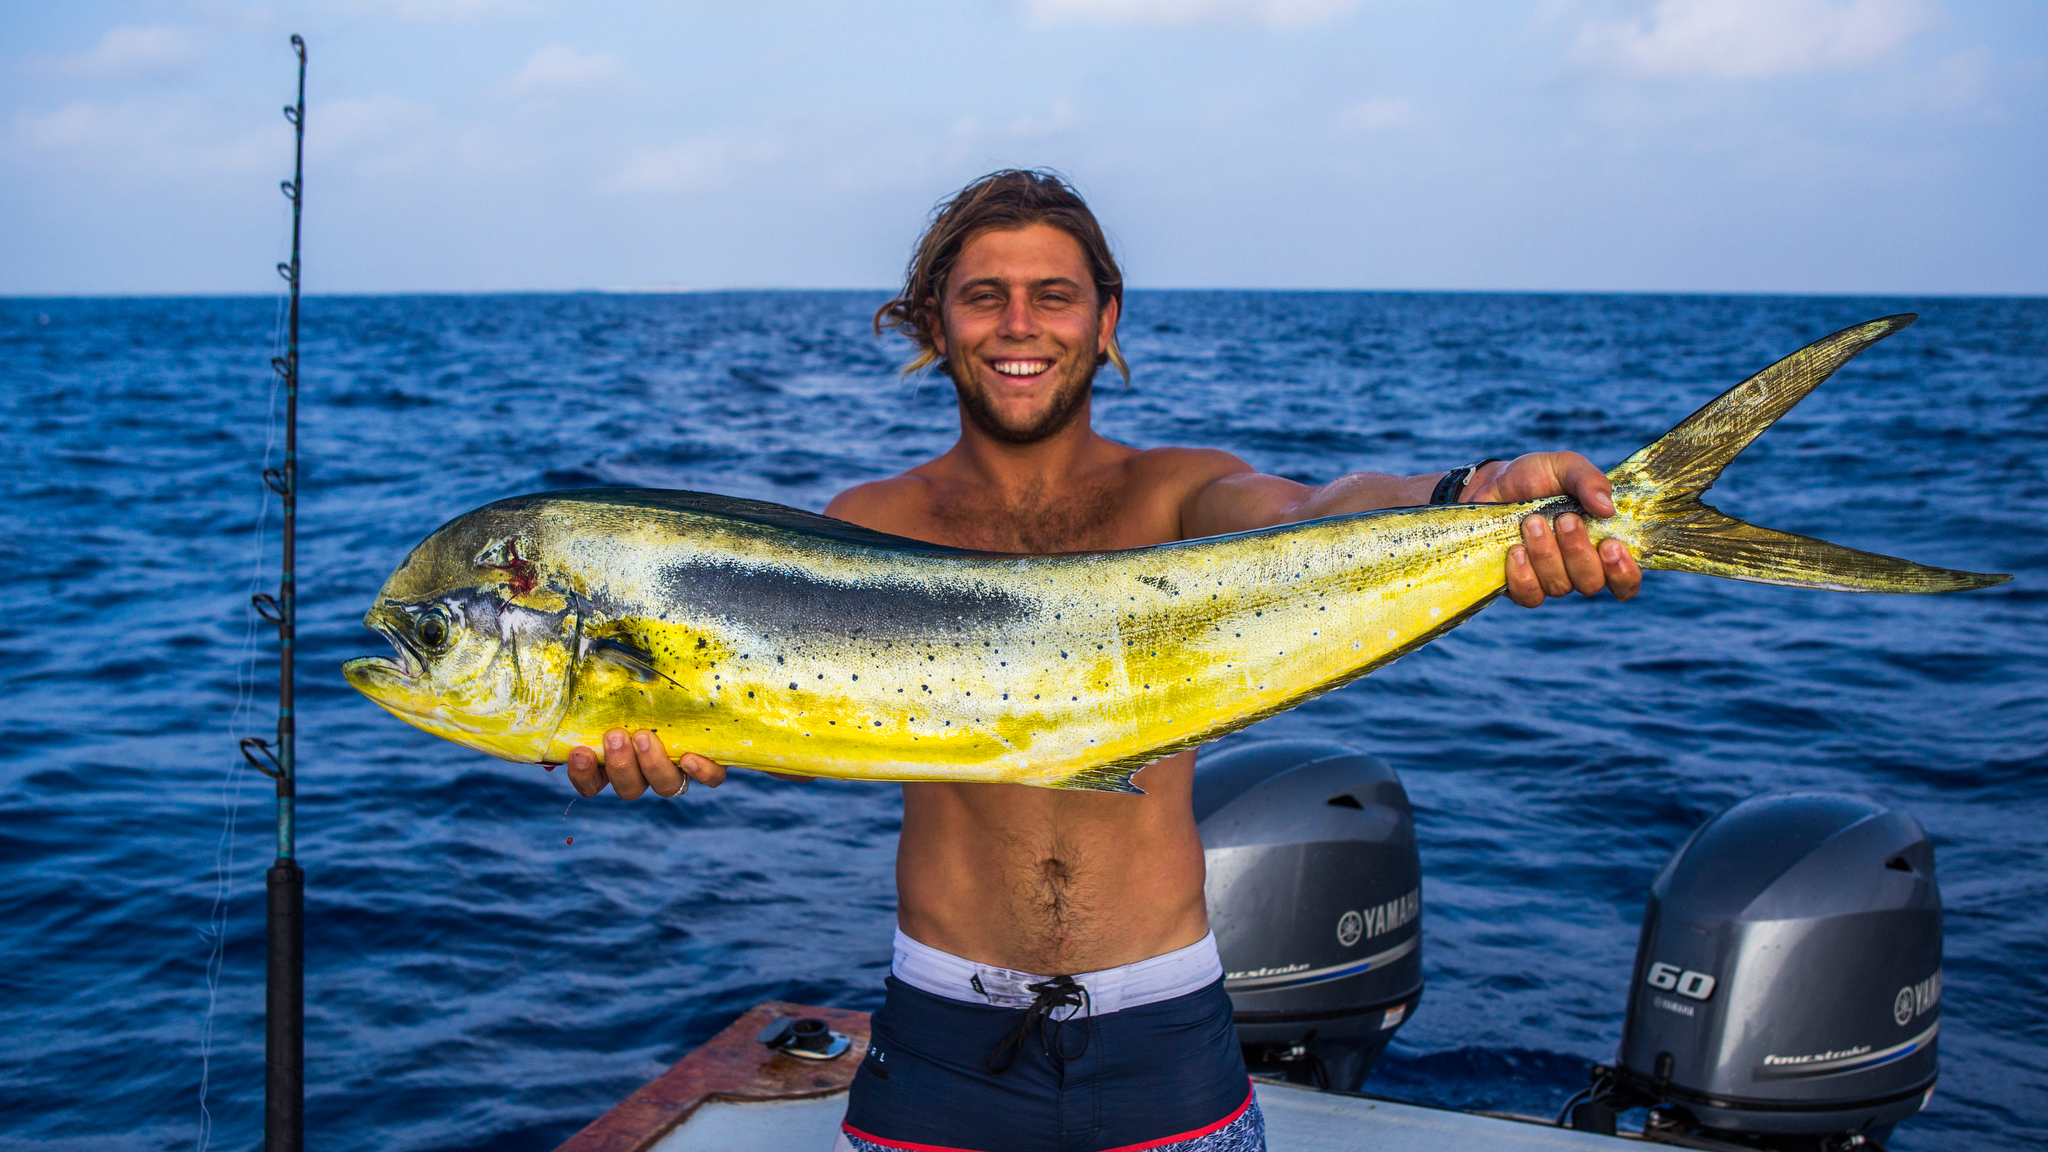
(503, 556)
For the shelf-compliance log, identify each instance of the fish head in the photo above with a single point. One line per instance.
(482, 645)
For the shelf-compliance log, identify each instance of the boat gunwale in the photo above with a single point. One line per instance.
(732, 1066)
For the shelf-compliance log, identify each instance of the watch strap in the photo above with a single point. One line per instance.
(1450, 488)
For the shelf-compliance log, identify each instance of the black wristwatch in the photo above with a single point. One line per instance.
(1452, 487)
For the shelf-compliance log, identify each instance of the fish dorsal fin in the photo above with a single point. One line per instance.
(735, 508)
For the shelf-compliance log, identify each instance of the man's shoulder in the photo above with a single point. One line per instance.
(1177, 475)
(1193, 465)
(886, 505)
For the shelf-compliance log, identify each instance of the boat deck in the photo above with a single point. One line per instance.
(733, 1095)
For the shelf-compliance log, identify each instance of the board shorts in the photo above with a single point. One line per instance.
(966, 1057)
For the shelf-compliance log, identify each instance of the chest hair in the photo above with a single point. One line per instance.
(1070, 520)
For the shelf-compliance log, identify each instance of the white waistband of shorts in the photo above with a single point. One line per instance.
(1164, 977)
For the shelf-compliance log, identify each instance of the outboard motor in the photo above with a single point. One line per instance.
(1315, 896)
(1788, 981)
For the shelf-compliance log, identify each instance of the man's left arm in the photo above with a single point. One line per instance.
(1547, 562)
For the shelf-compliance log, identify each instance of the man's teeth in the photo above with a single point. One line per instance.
(1022, 367)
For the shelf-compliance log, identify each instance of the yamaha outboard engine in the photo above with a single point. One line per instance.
(1787, 983)
(1315, 895)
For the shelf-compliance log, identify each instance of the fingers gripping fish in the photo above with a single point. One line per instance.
(765, 637)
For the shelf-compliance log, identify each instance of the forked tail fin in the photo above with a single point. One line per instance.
(1658, 489)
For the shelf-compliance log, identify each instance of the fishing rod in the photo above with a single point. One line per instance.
(284, 1039)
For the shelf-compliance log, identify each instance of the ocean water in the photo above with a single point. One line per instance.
(475, 981)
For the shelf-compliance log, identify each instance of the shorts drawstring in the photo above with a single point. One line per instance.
(1058, 992)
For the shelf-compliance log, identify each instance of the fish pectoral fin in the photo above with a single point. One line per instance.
(638, 662)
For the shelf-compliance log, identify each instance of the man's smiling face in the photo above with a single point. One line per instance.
(1021, 330)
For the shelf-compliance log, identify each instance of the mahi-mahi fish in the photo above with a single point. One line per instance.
(765, 637)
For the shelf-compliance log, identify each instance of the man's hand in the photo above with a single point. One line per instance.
(633, 764)
(1552, 563)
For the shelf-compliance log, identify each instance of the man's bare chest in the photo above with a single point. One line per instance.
(1078, 519)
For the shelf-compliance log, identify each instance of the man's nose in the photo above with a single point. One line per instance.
(1019, 320)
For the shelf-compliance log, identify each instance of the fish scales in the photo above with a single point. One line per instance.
(867, 663)
(765, 637)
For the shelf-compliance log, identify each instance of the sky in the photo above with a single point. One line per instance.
(1839, 146)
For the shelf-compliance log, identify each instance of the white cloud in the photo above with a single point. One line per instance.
(439, 11)
(1747, 39)
(558, 69)
(922, 161)
(1379, 114)
(80, 125)
(178, 138)
(375, 123)
(689, 165)
(390, 138)
(1273, 13)
(136, 54)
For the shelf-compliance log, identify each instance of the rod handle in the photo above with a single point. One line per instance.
(284, 1039)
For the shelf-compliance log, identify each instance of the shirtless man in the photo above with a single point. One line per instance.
(1015, 901)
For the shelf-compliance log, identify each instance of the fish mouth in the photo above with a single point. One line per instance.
(410, 664)
(378, 676)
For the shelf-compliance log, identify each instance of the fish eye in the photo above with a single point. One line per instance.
(433, 627)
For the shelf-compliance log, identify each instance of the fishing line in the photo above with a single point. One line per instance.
(215, 930)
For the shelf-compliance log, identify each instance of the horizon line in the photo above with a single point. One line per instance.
(679, 290)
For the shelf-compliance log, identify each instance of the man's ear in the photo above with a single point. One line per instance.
(935, 326)
(1108, 326)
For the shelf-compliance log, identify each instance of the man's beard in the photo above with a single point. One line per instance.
(1068, 402)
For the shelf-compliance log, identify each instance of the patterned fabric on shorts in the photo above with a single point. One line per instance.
(1245, 1132)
